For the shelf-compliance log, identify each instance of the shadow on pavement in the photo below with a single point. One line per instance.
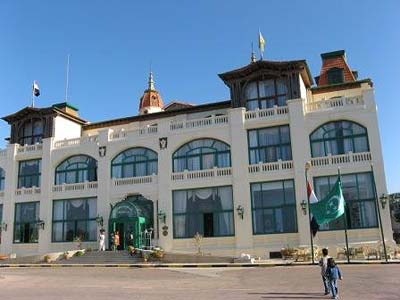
(290, 295)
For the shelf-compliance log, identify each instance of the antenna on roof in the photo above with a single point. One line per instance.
(67, 80)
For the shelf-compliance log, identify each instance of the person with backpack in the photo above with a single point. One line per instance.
(333, 274)
(323, 263)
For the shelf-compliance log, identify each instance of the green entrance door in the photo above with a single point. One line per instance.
(130, 218)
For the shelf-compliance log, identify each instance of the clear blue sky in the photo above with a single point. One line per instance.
(112, 43)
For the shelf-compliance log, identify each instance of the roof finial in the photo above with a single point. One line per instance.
(253, 58)
(151, 82)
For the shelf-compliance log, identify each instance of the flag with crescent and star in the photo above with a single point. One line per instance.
(331, 207)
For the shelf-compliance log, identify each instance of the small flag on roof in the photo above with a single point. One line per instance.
(36, 90)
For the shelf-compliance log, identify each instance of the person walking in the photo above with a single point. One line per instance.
(116, 241)
(102, 240)
(323, 263)
(333, 274)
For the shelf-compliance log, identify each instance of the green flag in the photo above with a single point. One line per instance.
(331, 207)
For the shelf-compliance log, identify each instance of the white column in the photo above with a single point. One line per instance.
(103, 183)
(46, 199)
(377, 159)
(241, 185)
(11, 170)
(164, 188)
(301, 154)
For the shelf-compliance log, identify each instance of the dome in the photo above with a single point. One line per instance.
(151, 100)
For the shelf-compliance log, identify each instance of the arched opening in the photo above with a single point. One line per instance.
(132, 218)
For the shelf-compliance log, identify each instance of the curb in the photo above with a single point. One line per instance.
(189, 265)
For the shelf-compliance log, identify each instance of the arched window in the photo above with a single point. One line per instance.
(338, 137)
(2, 179)
(266, 94)
(31, 132)
(202, 154)
(134, 162)
(78, 168)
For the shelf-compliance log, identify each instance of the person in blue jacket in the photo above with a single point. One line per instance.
(333, 274)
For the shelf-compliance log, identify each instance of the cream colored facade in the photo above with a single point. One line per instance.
(303, 114)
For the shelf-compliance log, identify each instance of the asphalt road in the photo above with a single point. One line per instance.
(299, 282)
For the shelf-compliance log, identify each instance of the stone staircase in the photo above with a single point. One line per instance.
(103, 257)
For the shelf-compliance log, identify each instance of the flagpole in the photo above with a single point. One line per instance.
(345, 222)
(379, 214)
(306, 168)
(33, 94)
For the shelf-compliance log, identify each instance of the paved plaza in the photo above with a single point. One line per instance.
(299, 282)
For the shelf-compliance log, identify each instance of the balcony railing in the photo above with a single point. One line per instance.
(135, 180)
(334, 103)
(27, 191)
(341, 159)
(271, 167)
(29, 148)
(123, 134)
(201, 174)
(266, 113)
(70, 187)
(199, 123)
(76, 141)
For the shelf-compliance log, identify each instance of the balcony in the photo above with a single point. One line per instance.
(123, 134)
(199, 123)
(72, 187)
(335, 160)
(27, 191)
(201, 174)
(134, 180)
(76, 141)
(3, 153)
(266, 114)
(335, 103)
(270, 167)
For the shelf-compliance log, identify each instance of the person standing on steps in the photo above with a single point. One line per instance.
(116, 241)
(102, 240)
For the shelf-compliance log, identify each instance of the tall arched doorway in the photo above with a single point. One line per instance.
(131, 217)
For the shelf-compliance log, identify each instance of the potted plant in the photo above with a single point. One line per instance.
(78, 242)
(47, 258)
(131, 250)
(66, 255)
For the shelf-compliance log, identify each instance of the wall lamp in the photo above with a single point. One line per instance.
(383, 199)
(303, 205)
(99, 220)
(240, 211)
(40, 224)
(3, 226)
(162, 216)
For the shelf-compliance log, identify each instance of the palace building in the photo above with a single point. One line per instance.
(233, 171)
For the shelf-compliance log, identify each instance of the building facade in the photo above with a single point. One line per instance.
(234, 171)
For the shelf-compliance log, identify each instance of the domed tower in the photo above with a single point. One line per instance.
(151, 100)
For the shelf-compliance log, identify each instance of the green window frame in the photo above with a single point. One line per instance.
(192, 207)
(273, 205)
(76, 169)
(269, 144)
(339, 137)
(202, 154)
(2, 179)
(335, 75)
(267, 93)
(26, 217)
(29, 173)
(134, 162)
(359, 196)
(74, 218)
(31, 132)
